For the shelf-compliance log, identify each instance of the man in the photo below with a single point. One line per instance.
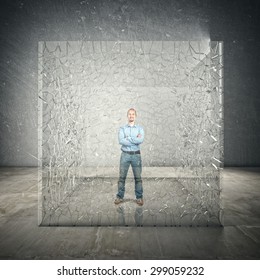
(130, 136)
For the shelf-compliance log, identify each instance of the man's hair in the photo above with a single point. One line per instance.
(131, 109)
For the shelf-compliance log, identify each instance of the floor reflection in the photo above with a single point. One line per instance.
(167, 202)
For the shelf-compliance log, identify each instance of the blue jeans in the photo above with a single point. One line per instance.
(136, 163)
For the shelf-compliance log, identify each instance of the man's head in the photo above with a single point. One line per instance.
(131, 115)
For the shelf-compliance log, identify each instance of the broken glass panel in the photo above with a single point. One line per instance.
(85, 90)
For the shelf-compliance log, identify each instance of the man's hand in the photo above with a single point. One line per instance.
(139, 135)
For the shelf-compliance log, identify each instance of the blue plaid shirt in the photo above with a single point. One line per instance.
(127, 137)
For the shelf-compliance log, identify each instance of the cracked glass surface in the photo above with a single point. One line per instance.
(85, 90)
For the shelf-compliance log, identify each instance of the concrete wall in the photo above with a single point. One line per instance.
(24, 24)
(237, 24)
(86, 88)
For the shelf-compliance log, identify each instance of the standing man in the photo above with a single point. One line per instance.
(130, 136)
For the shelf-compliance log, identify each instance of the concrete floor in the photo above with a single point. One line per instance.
(22, 238)
(169, 201)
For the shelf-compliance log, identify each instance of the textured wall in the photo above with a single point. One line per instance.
(24, 23)
(237, 23)
(86, 88)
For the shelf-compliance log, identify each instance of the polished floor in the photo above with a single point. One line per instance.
(22, 238)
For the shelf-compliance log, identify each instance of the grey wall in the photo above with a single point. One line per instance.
(237, 24)
(86, 88)
(23, 24)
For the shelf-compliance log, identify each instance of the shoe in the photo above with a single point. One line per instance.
(140, 201)
(118, 200)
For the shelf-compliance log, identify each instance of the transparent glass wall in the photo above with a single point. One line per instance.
(85, 90)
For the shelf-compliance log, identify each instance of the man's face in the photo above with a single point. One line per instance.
(131, 116)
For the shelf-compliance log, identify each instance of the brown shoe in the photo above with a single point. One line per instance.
(140, 201)
(118, 200)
